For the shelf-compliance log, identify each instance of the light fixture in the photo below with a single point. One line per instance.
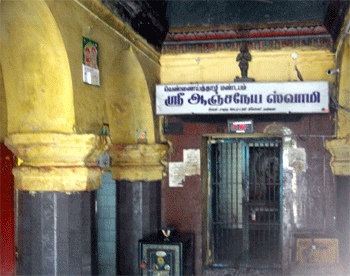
(332, 71)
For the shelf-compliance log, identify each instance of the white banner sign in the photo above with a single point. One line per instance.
(243, 98)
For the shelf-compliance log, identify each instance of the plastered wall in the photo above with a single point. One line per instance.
(70, 105)
(89, 101)
(272, 66)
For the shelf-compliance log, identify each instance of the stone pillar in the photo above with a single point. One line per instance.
(139, 215)
(107, 226)
(55, 233)
(138, 170)
(56, 185)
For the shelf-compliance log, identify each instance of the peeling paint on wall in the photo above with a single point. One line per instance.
(190, 166)
(297, 159)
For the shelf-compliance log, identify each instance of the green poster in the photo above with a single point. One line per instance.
(90, 62)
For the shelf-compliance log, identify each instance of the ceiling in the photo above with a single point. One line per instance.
(197, 13)
(153, 19)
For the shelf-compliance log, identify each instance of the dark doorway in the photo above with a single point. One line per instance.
(245, 199)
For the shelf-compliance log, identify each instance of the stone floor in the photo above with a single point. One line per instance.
(318, 270)
(242, 272)
(296, 270)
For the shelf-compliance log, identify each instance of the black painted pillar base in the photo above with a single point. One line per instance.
(56, 233)
(138, 215)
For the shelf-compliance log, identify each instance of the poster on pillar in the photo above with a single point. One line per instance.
(91, 73)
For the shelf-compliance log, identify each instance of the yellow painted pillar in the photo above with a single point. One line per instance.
(56, 201)
(340, 147)
(136, 157)
(35, 70)
(134, 152)
(55, 206)
(39, 98)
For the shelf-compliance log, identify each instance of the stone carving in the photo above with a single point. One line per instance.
(244, 57)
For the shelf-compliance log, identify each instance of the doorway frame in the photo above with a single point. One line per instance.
(205, 191)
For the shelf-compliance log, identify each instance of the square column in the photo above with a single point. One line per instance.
(138, 216)
(56, 233)
(138, 170)
(56, 215)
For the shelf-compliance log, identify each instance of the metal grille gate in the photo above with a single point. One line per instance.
(245, 195)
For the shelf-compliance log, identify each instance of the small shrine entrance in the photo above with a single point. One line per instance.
(245, 202)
